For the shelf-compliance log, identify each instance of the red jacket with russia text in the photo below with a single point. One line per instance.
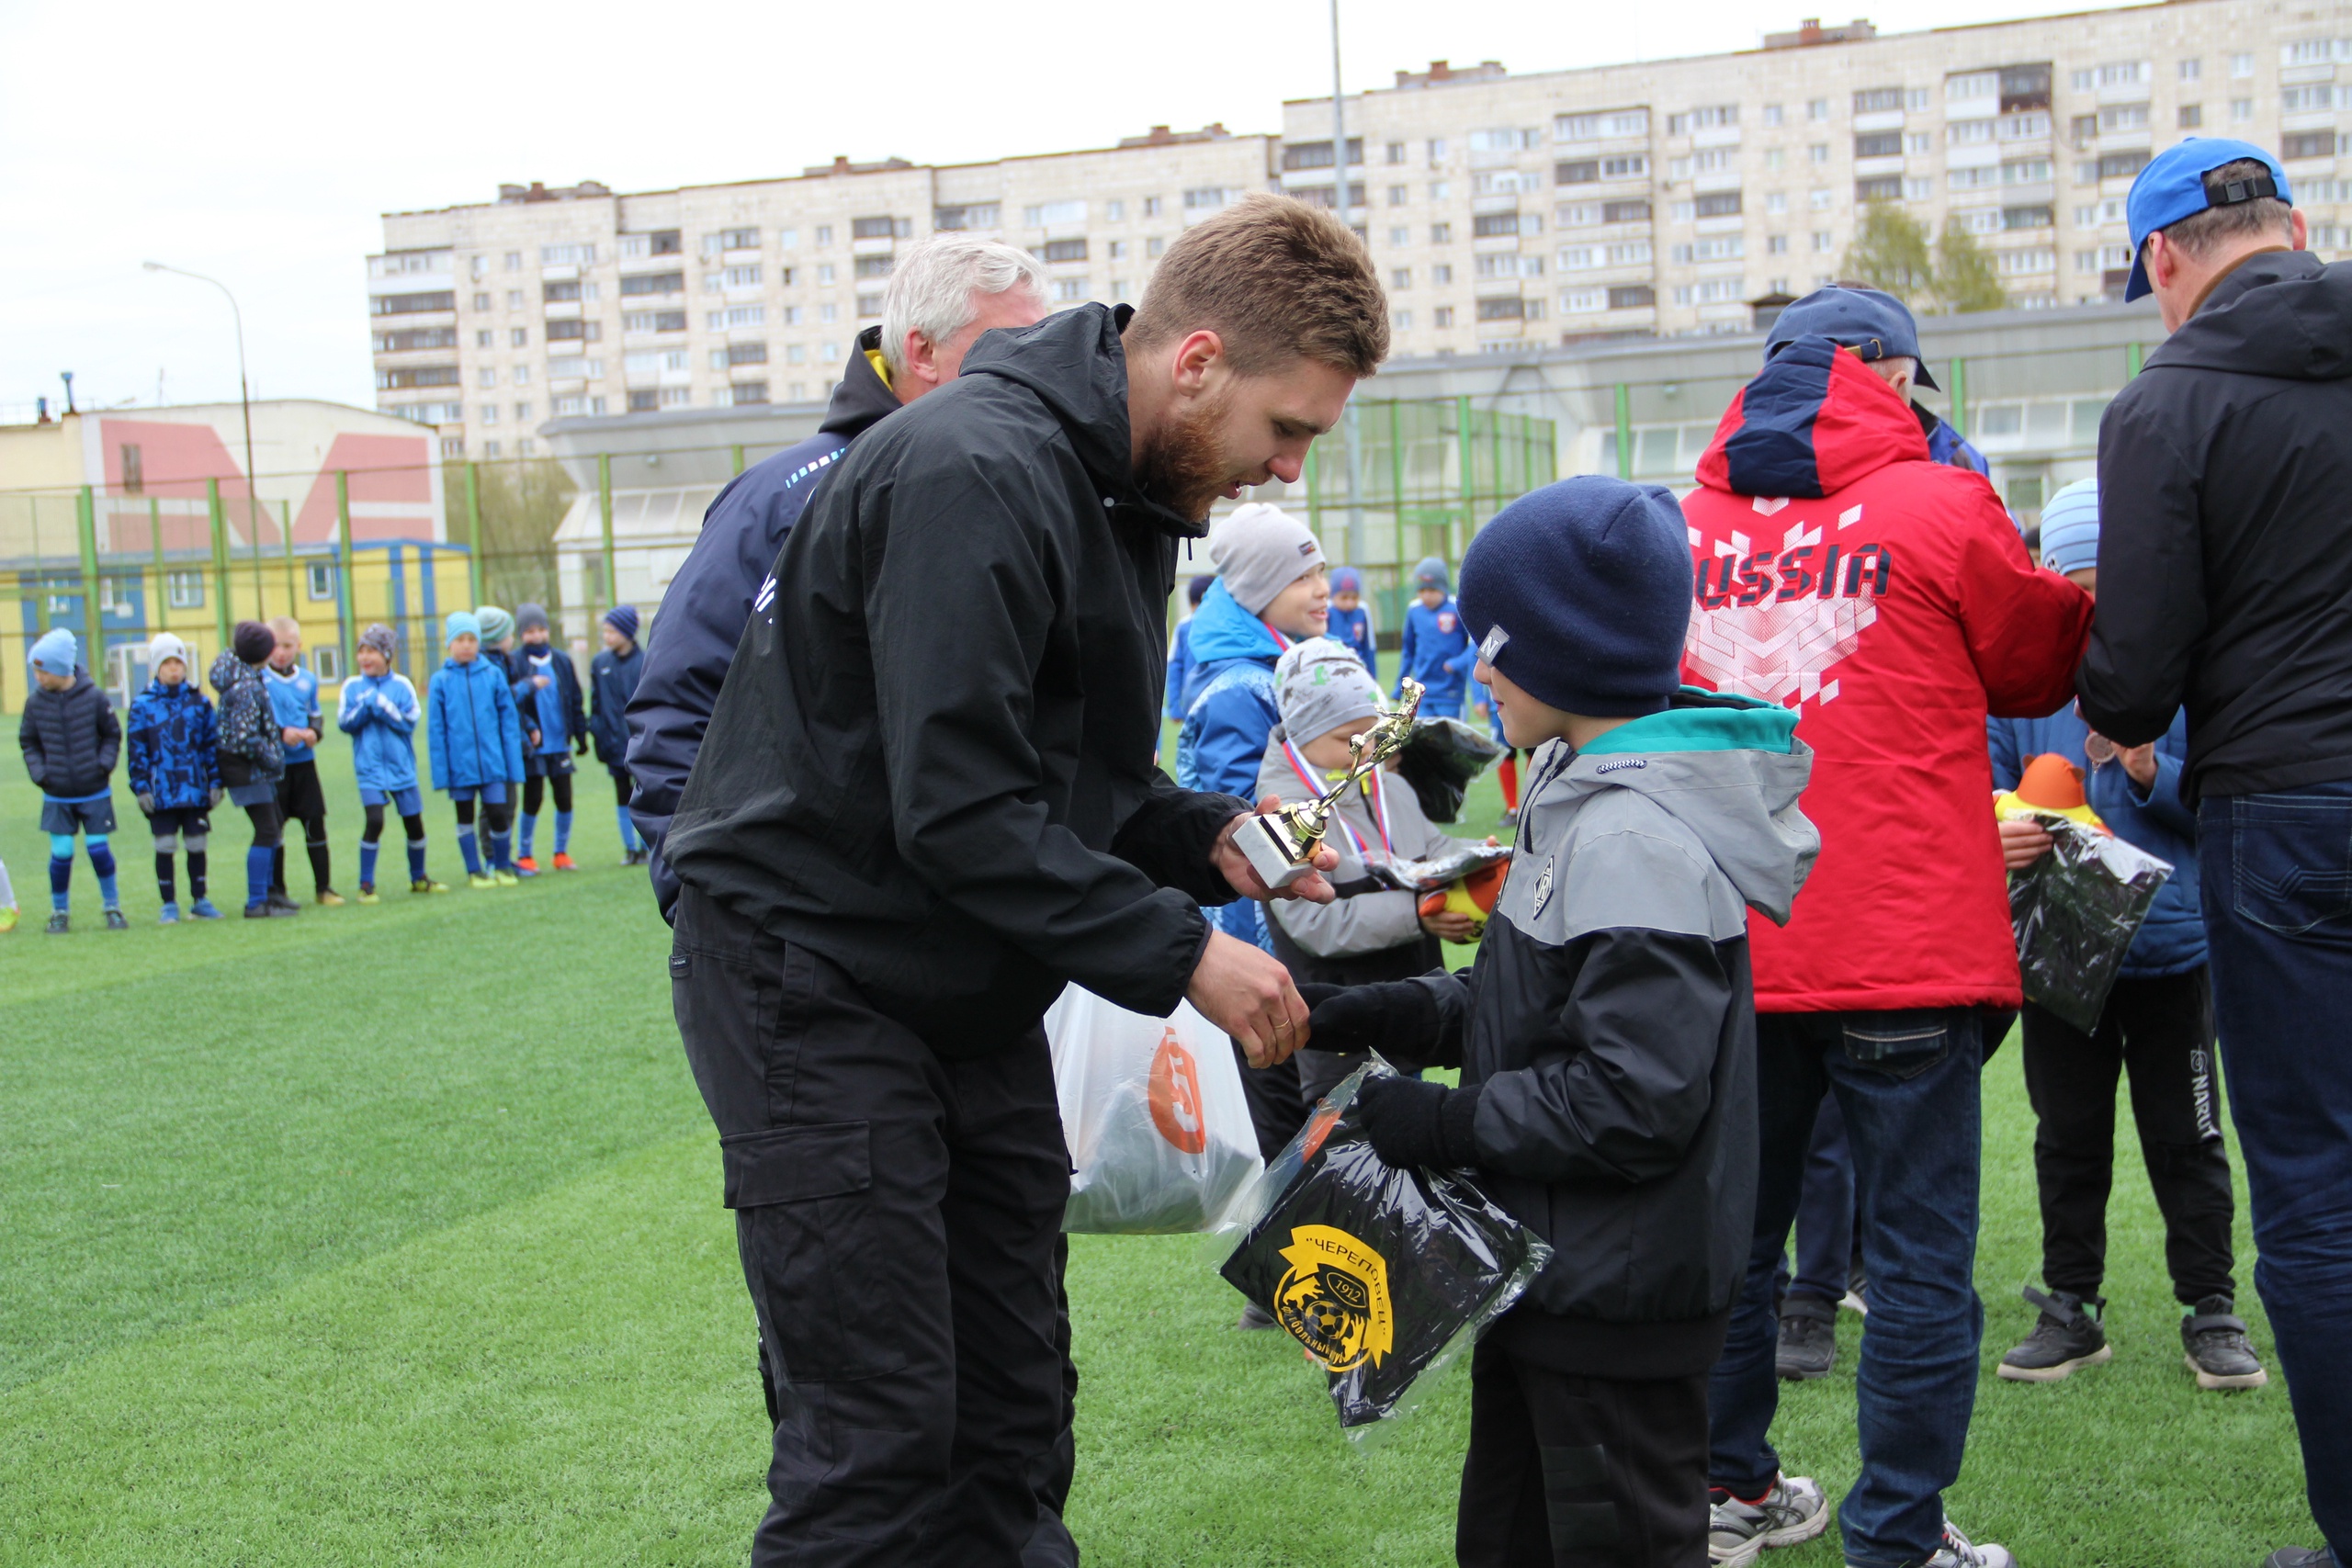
(1888, 599)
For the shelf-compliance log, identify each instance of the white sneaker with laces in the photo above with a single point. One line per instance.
(1793, 1511)
(1958, 1551)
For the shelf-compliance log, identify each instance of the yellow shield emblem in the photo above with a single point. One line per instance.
(1334, 1299)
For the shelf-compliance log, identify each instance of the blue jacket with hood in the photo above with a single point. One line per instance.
(2172, 940)
(383, 747)
(473, 738)
(1228, 701)
(1435, 650)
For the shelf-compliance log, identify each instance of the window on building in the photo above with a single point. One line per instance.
(184, 590)
(1061, 251)
(828, 312)
(824, 273)
(2240, 65)
(636, 285)
(322, 586)
(481, 302)
(486, 377)
(824, 233)
(869, 305)
(2190, 70)
(2122, 165)
(490, 413)
(796, 354)
(521, 414)
(1717, 204)
(518, 337)
(2307, 144)
(1436, 150)
(2241, 110)
(522, 375)
(513, 261)
(1879, 144)
(1395, 151)
(1776, 245)
(1440, 191)
(1118, 248)
(2189, 117)
(570, 407)
(2309, 100)
(1115, 212)
(1399, 235)
(1151, 207)
(1153, 246)
(1053, 215)
(1400, 196)
(569, 254)
(1773, 114)
(1818, 152)
(829, 352)
(1441, 233)
(1877, 100)
(971, 215)
(2033, 216)
(1631, 297)
(1069, 290)
(1919, 143)
(1823, 201)
(1823, 241)
(556, 291)
(1776, 201)
(1818, 110)
(1443, 316)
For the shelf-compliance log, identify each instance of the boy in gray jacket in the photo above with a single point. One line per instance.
(1606, 1033)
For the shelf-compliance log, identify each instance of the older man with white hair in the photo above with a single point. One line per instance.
(942, 295)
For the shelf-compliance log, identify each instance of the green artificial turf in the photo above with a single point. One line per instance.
(391, 1235)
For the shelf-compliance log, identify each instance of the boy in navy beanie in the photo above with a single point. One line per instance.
(1607, 1034)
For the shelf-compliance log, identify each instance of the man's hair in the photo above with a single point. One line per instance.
(2200, 234)
(931, 287)
(1278, 281)
(1895, 364)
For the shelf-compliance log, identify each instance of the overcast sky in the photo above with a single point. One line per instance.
(259, 142)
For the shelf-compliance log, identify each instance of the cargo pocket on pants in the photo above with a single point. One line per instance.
(1576, 1499)
(813, 1246)
(1900, 1045)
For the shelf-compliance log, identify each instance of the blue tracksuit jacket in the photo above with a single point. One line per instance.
(173, 753)
(2173, 939)
(1228, 698)
(1354, 628)
(553, 709)
(473, 737)
(294, 698)
(1436, 651)
(383, 745)
(1180, 666)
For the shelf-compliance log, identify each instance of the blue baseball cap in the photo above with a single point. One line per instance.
(1875, 325)
(2172, 188)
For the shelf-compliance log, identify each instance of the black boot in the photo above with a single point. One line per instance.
(1808, 1347)
(2068, 1335)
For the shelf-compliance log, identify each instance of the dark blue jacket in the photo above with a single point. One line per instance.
(708, 603)
(612, 681)
(2173, 939)
(71, 738)
(1436, 651)
(1228, 699)
(1180, 668)
(172, 756)
(472, 733)
(554, 709)
(1354, 628)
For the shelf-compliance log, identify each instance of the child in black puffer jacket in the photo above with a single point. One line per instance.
(71, 740)
(253, 757)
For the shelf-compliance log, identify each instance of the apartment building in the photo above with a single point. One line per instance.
(491, 319)
(1513, 211)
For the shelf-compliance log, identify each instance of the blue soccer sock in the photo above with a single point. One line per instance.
(530, 826)
(102, 862)
(367, 850)
(630, 841)
(257, 868)
(562, 832)
(499, 860)
(416, 860)
(469, 846)
(60, 871)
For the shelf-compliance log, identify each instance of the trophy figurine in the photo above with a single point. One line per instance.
(1280, 844)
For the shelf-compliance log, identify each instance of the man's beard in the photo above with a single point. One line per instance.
(1184, 465)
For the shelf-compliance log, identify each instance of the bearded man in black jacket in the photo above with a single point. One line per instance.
(2225, 587)
(925, 802)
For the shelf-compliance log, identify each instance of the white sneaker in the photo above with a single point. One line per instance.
(1958, 1552)
(1793, 1511)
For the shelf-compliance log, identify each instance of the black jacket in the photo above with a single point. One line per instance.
(704, 611)
(612, 679)
(931, 761)
(71, 738)
(2225, 578)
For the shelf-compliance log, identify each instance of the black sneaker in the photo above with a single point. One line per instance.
(59, 924)
(281, 899)
(2214, 1339)
(1808, 1339)
(117, 921)
(2068, 1335)
(2300, 1557)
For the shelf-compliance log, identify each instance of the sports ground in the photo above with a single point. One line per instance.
(391, 1235)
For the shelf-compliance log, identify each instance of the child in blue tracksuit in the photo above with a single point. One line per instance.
(176, 772)
(380, 712)
(1433, 649)
(1351, 621)
(547, 697)
(294, 698)
(2157, 1025)
(1270, 592)
(613, 676)
(71, 740)
(476, 746)
(1180, 648)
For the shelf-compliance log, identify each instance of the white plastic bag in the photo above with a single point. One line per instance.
(1158, 1125)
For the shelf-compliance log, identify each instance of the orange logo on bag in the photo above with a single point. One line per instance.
(1334, 1299)
(1176, 1096)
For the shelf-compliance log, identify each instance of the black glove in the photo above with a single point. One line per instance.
(1396, 1018)
(1410, 1124)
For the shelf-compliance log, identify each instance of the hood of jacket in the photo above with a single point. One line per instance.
(2284, 314)
(1222, 629)
(1730, 769)
(1075, 364)
(861, 397)
(225, 672)
(1815, 420)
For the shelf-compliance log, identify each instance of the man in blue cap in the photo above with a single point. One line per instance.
(2225, 589)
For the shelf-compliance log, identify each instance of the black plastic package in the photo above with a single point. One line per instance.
(1380, 1273)
(2076, 910)
(1439, 760)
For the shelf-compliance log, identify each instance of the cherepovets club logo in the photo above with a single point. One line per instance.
(1334, 1299)
(1175, 1096)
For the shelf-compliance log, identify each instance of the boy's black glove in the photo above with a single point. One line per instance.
(1410, 1124)
(1396, 1018)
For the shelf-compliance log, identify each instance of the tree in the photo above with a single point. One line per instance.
(1889, 252)
(1966, 280)
(523, 502)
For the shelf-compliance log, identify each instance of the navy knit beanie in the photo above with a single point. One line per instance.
(1580, 592)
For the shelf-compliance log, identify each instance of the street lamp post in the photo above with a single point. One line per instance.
(245, 404)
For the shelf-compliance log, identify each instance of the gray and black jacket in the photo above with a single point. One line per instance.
(1608, 1029)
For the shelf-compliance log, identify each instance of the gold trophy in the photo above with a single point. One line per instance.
(1280, 844)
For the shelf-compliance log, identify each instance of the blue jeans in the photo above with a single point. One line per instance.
(1907, 1084)
(1824, 1213)
(2278, 899)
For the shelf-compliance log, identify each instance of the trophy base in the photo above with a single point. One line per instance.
(1265, 847)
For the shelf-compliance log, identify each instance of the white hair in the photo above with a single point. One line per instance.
(931, 289)
(1895, 366)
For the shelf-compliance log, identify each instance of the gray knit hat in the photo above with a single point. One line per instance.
(1259, 550)
(1320, 684)
(530, 617)
(378, 636)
